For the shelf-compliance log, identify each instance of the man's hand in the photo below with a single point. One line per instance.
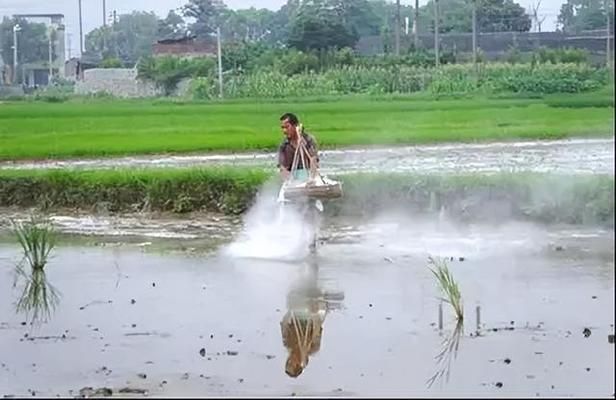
(284, 174)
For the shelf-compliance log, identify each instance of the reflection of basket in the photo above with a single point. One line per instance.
(327, 190)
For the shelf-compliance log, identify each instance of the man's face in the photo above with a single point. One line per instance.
(288, 129)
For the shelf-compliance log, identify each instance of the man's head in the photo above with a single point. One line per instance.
(294, 365)
(288, 124)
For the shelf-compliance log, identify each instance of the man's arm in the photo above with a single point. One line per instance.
(311, 148)
(282, 162)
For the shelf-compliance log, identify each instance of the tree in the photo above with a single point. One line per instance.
(127, 40)
(32, 41)
(385, 10)
(502, 16)
(207, 15)
(492, 16)
(581, 15)
(249, 25)
(454, 16)
(359, 16)
(282, 22)
(320, 25)
(172, 26)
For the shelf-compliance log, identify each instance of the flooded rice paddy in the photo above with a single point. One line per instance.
(160, 307)
(200, 305)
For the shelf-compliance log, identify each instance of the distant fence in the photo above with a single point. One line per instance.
(495, 44)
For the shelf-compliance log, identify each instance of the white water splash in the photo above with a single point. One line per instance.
(273, 231)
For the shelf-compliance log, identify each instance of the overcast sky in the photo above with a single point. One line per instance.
(92, 10)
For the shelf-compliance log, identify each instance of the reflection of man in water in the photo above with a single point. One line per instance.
(302, 325)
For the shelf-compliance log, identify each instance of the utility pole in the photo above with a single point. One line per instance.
(475, 33)
(436, 40)
(80, 30)
(16, 28)
(68, 39)
(398, 23)
(416, 25)
(104, 28)
(50, 56)
(220, 83)
(608, 32)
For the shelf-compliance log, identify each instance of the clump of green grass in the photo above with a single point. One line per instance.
(448, 286)
(37, 239)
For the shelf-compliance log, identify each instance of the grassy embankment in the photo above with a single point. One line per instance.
(584, 199)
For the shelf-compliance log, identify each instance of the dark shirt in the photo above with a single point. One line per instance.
(286, 152)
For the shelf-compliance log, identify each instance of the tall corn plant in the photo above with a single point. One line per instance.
(448, 286)
(38, 297)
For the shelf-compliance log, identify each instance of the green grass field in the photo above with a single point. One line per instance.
(37, 130)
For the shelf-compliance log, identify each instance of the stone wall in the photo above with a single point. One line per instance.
(119, 82)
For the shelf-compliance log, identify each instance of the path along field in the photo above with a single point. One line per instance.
(95, 128)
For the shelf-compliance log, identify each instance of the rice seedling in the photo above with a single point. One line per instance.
(448, 353)
(448, 286)
(38, 298)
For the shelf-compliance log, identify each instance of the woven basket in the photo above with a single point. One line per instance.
(327, 191)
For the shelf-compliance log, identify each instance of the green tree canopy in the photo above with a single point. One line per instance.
(582, 15)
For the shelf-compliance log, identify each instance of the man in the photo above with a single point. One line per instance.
(293, 133)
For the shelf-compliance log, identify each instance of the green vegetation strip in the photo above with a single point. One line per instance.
(34, 130)
(579, 199)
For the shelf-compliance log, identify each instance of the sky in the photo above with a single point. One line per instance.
(92, 11)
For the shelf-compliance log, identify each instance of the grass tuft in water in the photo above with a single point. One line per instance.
(448, 353)
(448, 285)
(37, 238)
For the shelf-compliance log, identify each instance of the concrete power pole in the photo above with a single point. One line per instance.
(16, 28)
(416, 25)
(398, 23)
(50, 56)
(104, 13)
(475, 33)
(80, 30)
(608, 50)
(220, 82)
(436, 39)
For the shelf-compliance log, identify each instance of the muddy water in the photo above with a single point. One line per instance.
(537, 287)
(562, 156)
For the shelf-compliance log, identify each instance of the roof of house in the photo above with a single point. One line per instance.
(185, 46)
